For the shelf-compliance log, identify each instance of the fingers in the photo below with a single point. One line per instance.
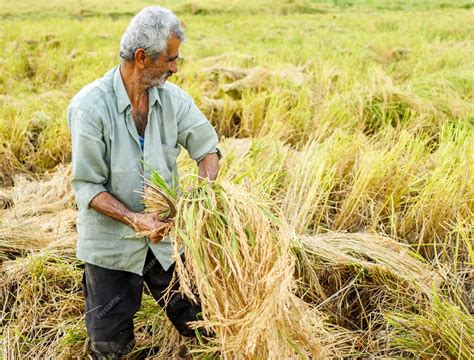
(152, 226)
(163, 220)
(159, 233)
(155, 239)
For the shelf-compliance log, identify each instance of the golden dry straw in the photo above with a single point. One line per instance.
(237, 260)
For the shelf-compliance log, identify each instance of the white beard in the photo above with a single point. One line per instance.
(160, 82)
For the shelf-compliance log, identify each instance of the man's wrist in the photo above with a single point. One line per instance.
(215, 151)
(218, 152)
(206, 157)
(132, 219)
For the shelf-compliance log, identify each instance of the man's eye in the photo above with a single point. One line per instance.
(178, 59)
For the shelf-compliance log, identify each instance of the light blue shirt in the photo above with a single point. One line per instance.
(107, 156)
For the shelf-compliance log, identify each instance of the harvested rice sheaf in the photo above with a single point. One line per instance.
(41, 214)
(356, 279)
(332, 265)
(238, 262)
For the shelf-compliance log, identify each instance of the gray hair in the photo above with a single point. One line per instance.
(150, 29)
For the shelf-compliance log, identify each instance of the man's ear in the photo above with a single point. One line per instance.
(140, 58)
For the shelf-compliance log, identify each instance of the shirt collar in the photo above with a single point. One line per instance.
(153, 96)
(122, 97)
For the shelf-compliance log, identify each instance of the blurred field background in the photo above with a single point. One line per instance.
(353, 117)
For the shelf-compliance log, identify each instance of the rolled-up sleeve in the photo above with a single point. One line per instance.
(89, 167)
(196, 134)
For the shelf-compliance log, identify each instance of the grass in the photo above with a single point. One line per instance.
(350, 121)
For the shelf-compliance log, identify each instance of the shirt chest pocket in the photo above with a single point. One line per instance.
(170, 157)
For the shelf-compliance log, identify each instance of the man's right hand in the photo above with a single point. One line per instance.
(152, 225)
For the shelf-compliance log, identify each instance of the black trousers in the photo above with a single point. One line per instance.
(113, 297)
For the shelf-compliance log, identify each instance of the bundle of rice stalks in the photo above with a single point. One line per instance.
(257, 78)
(263, 168)
(41, 214)
(242, 58)
(432, 215)
(237, 260)
(386, 105)
(224, 114)
(314, 185)
(357, 278)
(19, 236)
(50, 194)
(228, 74)
(254, 80)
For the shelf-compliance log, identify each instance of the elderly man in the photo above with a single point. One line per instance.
(118, 123)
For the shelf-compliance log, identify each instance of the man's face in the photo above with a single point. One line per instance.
(157, 72)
